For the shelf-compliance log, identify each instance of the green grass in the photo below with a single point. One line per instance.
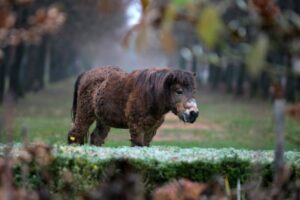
(231, 122)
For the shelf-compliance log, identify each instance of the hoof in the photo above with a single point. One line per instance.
(75, 139)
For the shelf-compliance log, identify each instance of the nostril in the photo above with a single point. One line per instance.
(194, 114)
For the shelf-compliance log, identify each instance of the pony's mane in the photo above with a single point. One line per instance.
(154, 85)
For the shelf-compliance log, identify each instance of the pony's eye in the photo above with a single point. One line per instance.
(179, 91)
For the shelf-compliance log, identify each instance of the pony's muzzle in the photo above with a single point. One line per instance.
(190, 116)
(191, 113)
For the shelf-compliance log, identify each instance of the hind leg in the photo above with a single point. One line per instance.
(99, 134)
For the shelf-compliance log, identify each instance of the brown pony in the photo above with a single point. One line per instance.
(137, 101)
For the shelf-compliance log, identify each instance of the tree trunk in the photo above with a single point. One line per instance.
(14, 74)
(297, 89)
(194, 64)
(26, 73)
(3, 66)
(54, 67)
(41, 62)
(2, 79)
(15, 87)
(240, 80)
(229, 76)
(265, 84)
(214, 76)
(253, 87)
(290, 88)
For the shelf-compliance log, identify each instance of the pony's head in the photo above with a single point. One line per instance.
(180, 86)
(167, 89)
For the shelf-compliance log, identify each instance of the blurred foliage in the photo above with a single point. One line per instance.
(46, 41)
(224, 26)
(65, 172)
(256, 58)
(76, 170)
(209, 26)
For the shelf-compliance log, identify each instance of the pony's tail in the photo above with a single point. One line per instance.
(75, 95)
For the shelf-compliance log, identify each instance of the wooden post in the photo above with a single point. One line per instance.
(279, 113)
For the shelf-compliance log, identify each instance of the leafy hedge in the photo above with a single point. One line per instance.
(157, 164)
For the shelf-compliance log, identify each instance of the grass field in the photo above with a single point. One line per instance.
(224, 122)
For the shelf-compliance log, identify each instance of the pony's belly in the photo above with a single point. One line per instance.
(115, 123)
(112, 117)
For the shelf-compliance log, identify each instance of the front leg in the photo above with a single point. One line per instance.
(142, 134)
(148, 137)
(137, 137)
(152, 131)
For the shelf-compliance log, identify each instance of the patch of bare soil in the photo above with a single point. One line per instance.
(161, 136)
(117, 137)
(172, 122)
(187, 136)
(182, 126)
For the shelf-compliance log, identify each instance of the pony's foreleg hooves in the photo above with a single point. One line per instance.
(149, 137)
(137, 140)
(147, 145)
(135, 144)
(74, 138)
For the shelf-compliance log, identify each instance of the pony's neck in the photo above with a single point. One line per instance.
(159, 109)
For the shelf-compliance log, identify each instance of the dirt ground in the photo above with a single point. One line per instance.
(184, 131)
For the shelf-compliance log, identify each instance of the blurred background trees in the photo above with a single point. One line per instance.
(24, 27)
(241, 47)
(237, 46)
(47, 41)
